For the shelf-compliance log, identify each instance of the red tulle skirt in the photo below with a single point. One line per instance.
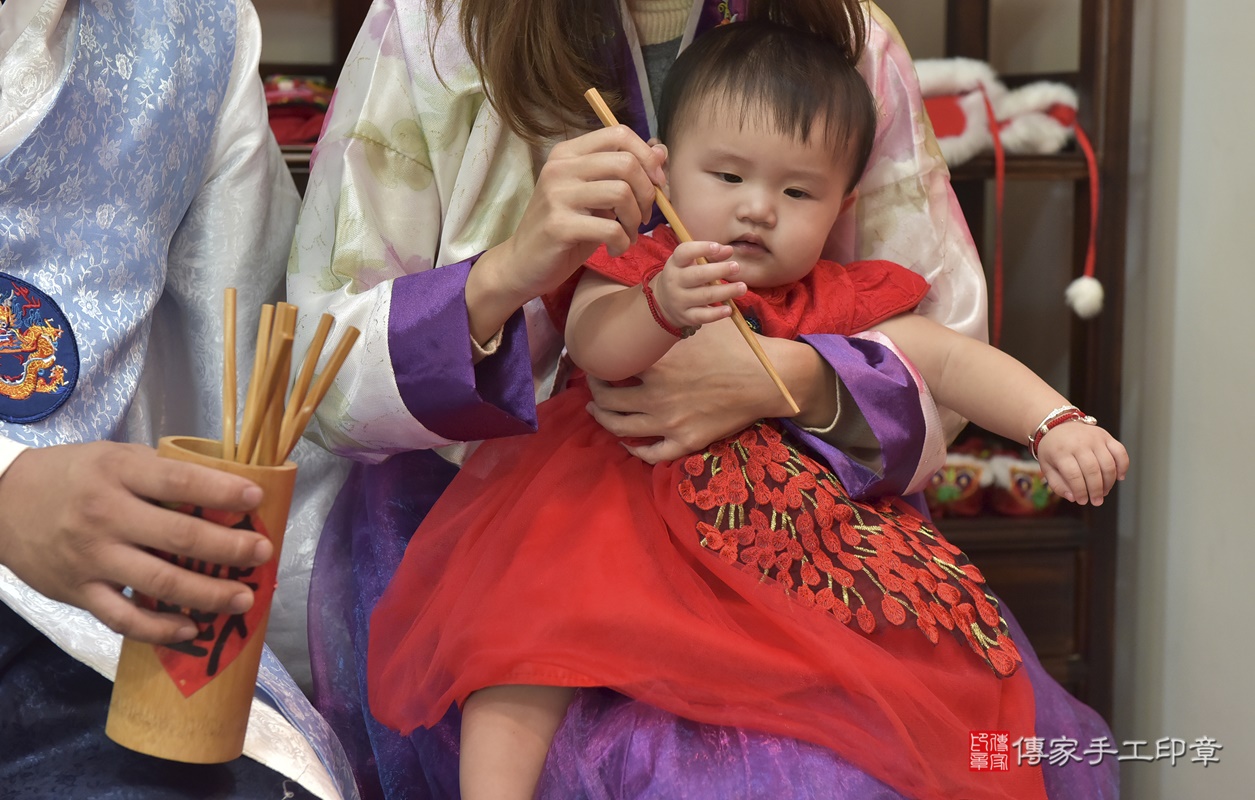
(737, 587)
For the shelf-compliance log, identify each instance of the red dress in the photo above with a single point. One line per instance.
(739, 586)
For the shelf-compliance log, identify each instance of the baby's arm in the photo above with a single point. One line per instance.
(611, 331)
(1080, 462)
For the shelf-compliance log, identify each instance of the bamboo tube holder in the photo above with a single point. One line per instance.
(148, 713)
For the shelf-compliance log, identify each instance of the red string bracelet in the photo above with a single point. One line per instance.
(679, 333)
(1053, 420)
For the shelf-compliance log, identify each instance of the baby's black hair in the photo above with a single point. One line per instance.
(798, 78)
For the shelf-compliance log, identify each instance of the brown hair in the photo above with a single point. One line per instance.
(793, 79)
(537, 57)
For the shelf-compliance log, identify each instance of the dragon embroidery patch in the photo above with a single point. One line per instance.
(38, 353)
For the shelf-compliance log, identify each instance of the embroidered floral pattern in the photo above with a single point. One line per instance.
(766, 506)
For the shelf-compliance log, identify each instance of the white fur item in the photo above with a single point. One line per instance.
(1084, 296)
(1027, 127)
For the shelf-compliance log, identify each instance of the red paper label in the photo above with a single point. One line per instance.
(194, 663)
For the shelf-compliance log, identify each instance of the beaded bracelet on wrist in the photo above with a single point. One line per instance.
(1054, 419)
(679, 333)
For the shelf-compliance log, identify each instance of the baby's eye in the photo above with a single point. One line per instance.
(728, 177)
(796, 194)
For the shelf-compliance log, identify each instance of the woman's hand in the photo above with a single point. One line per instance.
(78, 524)
(597, 188)
(708, 387)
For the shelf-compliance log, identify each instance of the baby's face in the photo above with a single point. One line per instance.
(771, 196)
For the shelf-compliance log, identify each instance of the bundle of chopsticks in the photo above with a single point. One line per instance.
(271, 427)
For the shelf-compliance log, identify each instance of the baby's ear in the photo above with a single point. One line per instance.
(850, 200)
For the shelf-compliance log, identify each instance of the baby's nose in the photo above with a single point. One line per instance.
(759, 209)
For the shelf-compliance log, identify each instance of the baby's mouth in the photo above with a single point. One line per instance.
(749, 245)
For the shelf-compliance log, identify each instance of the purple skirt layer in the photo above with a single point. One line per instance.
(609, 746)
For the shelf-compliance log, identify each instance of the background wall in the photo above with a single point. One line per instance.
(295, 31)
(1187, 548)
(1187, 552)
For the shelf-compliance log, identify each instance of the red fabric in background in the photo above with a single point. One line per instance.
(946, 115)
(297, 105)
(296, 124)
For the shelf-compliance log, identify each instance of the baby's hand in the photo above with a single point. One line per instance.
(688, 293)
(1082, 462)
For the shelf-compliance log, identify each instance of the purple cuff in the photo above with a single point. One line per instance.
(886, 394)
(429, 339)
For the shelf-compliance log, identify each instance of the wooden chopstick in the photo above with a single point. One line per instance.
(321, 384)
(301, 387)
(244, 449)
(272, 421)
(271, 383)
(228, 374)
(608, 119)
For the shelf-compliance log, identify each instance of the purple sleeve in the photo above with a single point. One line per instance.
(429, 340)
(886, 393)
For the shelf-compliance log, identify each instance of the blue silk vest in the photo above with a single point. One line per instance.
(89, 203)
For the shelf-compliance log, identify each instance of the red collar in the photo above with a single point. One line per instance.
(832, 298)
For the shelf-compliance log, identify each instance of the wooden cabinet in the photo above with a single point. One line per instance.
(1057, 574)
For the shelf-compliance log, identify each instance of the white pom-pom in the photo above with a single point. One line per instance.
(1084, 296)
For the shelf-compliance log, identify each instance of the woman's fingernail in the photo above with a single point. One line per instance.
(186, 633)
(241, 603)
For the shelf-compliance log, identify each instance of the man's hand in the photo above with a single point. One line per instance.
(78, 521)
